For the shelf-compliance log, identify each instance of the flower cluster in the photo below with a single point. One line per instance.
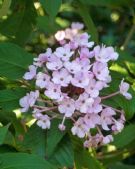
(68, 84)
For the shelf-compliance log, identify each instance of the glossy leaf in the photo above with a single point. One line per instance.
(54, 136)
(125, 137)
(34, 141)
(15, 27)
(23, 161)
(46, 25)
(9, 98)
(14, 61)
(63, 154)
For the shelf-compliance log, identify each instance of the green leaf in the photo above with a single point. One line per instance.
(122, 166)
(63, 154)
(85, 14)
(10, 140)
(3, 133)
(83, 159)
(14, 61)
(125, 137)
(9, 98)
(108, 3)
(5, 7)
(54, 136)
(34, 141)
(23, 161)
(46, 25)
(51, 6)
(7, 117)
(50, 144)
(19, 25)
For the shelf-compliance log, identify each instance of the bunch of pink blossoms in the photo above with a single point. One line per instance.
(68, 85)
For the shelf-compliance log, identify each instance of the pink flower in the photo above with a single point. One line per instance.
(118, 127)
(37, 113)
(44, 122)
(81, 40)
(54, 63)
(84, 102)
(107, 139)
(61, 77)
(124, 87)
(70, 33)
(64, 53)
(73, 67)
(84, 63)
(60, 35)
(92, 89)
(95, 107)
(28, 100)
(92, 120)
(31, 74)
(101, 84)
(106, 117)
(104, 54)
(53, 91)
(80, 128)
(80, 80)
(118, 124)
(62, 127)
(72, 77)
(43, 57)
(67, 107)
(42, 80)
(93, 141)
(113, 55)
(101, 71)
(77, 25)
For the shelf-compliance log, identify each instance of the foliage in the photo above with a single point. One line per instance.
(26, 29)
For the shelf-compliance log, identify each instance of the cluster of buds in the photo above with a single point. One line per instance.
(68, 84)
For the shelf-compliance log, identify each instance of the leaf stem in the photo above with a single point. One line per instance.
(45, 108)
(110, 95)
